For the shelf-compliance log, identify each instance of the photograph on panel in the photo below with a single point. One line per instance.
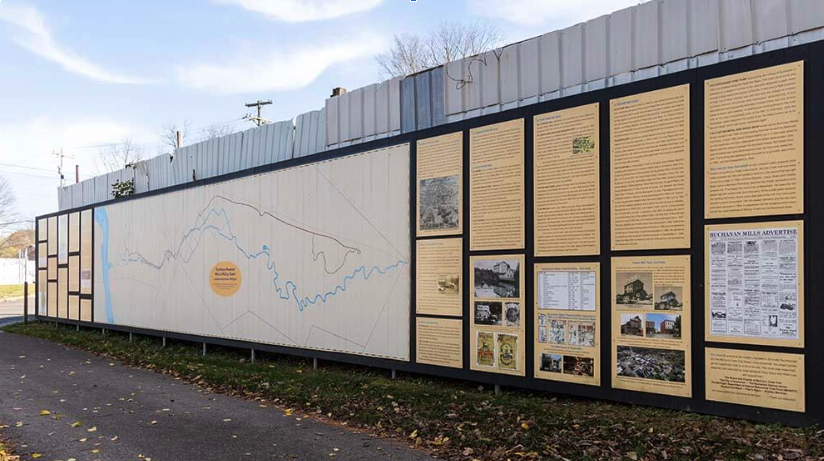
(663, 326)
(636, 288)
(440, 203)
(670, 298)
(651, 363)
(497, 278)
(488, 313)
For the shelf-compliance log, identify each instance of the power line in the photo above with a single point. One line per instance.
(3, 224)
(26, 167)
(28, 175)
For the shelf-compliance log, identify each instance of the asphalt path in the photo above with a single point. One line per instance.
(12, 311)
(99, 409)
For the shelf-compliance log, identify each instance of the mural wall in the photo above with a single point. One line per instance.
(315, 257)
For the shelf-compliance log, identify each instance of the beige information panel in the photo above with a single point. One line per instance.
(74, 274)
(74, 307)
(42, 229)
(496, 195)
(439, 342)
(497, 335)
(63, 293)
(760, 379)
(567, 315)
(438, 277)
(85, 310)
(52, 267)
(51, 307)
(440, 185)
(52, 240)
(74, 232)
(650, 170)
(754, 278)
(567, 207)
(86, 252)
(754, 143)
(651, 324)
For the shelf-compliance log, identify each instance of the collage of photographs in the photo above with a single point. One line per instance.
(573, 334)
(664, 323)
(497, 309)
(566, 319)
(651, 324)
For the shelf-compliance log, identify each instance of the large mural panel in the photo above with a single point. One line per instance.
(315, 256)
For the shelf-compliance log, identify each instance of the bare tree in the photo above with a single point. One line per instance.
(168, 133)
(449, 41)
(8, 203)
(117, 156)
(215, 131)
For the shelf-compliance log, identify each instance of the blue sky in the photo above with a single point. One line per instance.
(87, 73)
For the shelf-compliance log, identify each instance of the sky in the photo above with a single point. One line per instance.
(79, 75)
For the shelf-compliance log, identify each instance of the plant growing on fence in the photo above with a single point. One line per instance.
(122, 188)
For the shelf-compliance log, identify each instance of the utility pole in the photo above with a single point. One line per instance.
(77, 174)
(61, 156)
(259, 120)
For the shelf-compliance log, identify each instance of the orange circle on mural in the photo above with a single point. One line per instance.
(225, 278)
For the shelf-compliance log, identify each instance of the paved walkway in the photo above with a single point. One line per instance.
(137, 412)
(12, 311)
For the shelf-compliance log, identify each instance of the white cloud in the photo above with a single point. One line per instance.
(554, 12)
(305, 10)
(280, 70)
(37, 38)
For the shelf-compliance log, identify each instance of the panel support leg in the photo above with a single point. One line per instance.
(394, 374)
(78, 328)
(131, 337)
(164, 341)
(103, 330)
(204, 349)
(253, 356)
(314, 363)
(497, 389)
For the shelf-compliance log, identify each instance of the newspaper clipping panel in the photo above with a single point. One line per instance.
(497, 334)
(651, 324)
(567, 315)
(438, 275)
(650, 170)
(754, 275)
(754, 143)
(439, 342)
(440, 185)
(761, 379)
(496, 202)
(567, 208)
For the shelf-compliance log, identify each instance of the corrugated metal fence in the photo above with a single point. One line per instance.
(648, 40)
(239, 151)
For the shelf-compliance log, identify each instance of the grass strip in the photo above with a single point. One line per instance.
(452, 419)
(11, 291)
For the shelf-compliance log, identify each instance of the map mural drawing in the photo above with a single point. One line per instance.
(316, 256)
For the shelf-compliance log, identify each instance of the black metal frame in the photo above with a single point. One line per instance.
(813, 219)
